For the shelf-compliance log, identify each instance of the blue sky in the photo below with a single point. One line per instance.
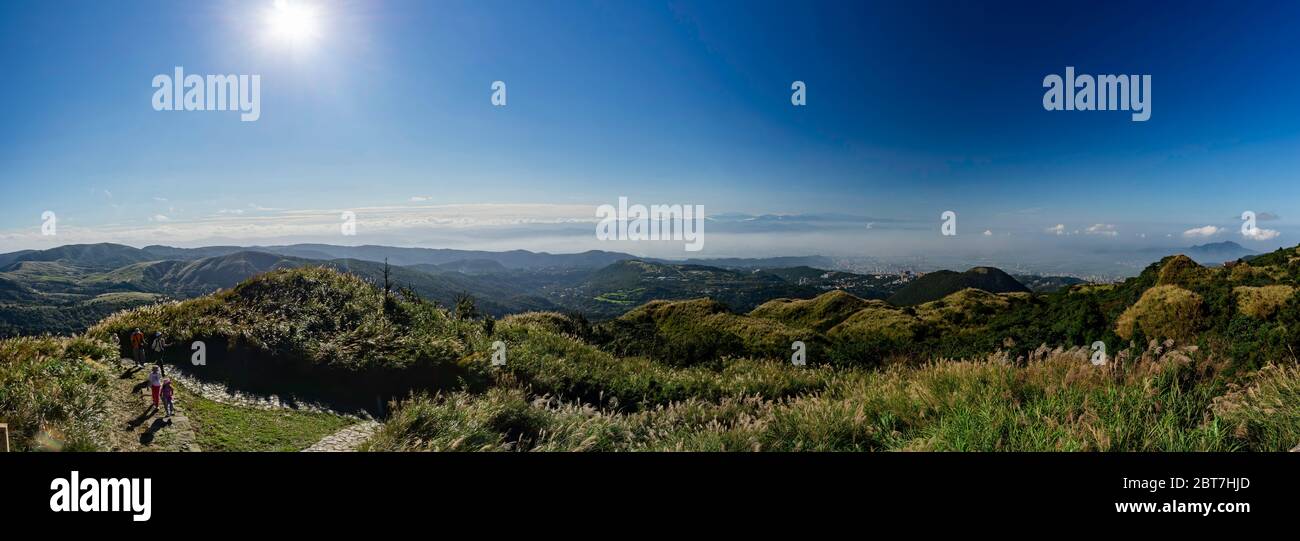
(913, 108)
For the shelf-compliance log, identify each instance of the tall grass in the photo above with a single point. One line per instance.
(1159, 399)
(564, 366)
(53, 392)
(1265, 413)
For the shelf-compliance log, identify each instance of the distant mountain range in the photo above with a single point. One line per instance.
(1214, 253)
(515, 259)
(1217, 253)
(64, 289)
(818, 261)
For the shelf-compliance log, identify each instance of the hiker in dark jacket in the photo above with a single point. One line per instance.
(158, 345)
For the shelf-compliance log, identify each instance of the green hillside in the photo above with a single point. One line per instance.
(694, 375)
(819, 314)
(563, 394)
(99, 256)
(620, 287)
(939, 284)
(313, 331)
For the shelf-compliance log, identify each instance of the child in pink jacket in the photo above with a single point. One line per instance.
(167, 397)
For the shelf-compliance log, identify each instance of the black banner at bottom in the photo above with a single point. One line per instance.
(310, 491)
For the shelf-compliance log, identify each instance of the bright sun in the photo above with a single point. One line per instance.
(292, 22)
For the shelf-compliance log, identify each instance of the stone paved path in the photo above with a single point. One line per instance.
(346, 440)
(139, 427)
(220, 392)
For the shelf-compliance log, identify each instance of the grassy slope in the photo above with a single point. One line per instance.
(558, 393)
(224, 427)
(315, 315)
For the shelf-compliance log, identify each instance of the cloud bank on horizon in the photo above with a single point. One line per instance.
(569, 228)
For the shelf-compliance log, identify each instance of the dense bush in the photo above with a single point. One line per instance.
(53, 392)
(1163, 312)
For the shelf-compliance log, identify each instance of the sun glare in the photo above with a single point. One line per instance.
(292, 22)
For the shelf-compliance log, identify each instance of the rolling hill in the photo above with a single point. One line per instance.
(93, 256)
(939, 284)
(624, 285)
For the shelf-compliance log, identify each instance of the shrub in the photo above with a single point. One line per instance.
(1163, 312)
(687, 333)
(820, 314)
(1262, 302)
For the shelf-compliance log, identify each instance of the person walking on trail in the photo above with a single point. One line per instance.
(155, 385)
(167, 392)
(137, 347)
(159, 344)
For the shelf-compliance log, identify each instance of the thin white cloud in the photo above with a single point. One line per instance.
(1260, 233)
(1202, 232)
(1108, 230)
(236, 225)
(421, 198)
(1058, 229)
(988, 232)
